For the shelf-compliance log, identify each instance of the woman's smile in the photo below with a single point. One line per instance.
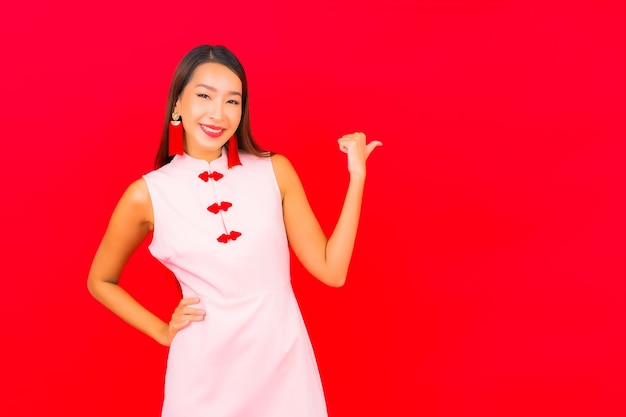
(212, 131)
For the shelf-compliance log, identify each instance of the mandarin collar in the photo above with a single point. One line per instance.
(193, 164)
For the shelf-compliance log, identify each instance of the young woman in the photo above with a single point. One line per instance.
(222, 213)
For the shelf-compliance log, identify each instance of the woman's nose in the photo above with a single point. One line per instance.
(216, 111)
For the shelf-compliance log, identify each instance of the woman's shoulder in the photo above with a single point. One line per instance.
(285, 173)
(163, 176)
(163, 169)
(252, 162)
(280, 161)
(135, 202)
(138, 192)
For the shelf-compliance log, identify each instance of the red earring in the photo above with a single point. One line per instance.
(233, 152)
(175, 139)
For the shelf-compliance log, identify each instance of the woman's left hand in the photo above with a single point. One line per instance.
(358, 151)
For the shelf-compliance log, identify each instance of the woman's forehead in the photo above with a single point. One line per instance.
(216, 76)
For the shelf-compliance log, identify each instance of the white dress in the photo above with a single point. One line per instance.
(221, 232)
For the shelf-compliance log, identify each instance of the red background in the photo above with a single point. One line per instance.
(489, 272)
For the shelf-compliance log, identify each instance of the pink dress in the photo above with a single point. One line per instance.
(221, 232)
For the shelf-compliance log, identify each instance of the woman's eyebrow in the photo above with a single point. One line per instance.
(208, 87)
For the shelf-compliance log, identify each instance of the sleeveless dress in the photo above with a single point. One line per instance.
(221, 232)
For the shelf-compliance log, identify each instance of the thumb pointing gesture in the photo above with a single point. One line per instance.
(358, 151)
(369, 148)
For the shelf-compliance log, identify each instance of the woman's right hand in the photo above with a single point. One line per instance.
(183, 316)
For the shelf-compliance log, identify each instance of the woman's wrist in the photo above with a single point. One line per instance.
(357, 176)
(162, 336)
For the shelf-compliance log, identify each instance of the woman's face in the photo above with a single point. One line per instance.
(210, 106)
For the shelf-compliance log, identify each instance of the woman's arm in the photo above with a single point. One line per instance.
(130, 223)
(325, 258)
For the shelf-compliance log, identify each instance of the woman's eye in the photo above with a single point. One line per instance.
(233, 102)
(202, 95)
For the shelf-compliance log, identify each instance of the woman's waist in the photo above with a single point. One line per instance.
(233, 294)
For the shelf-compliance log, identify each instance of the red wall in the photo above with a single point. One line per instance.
(489, 273)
